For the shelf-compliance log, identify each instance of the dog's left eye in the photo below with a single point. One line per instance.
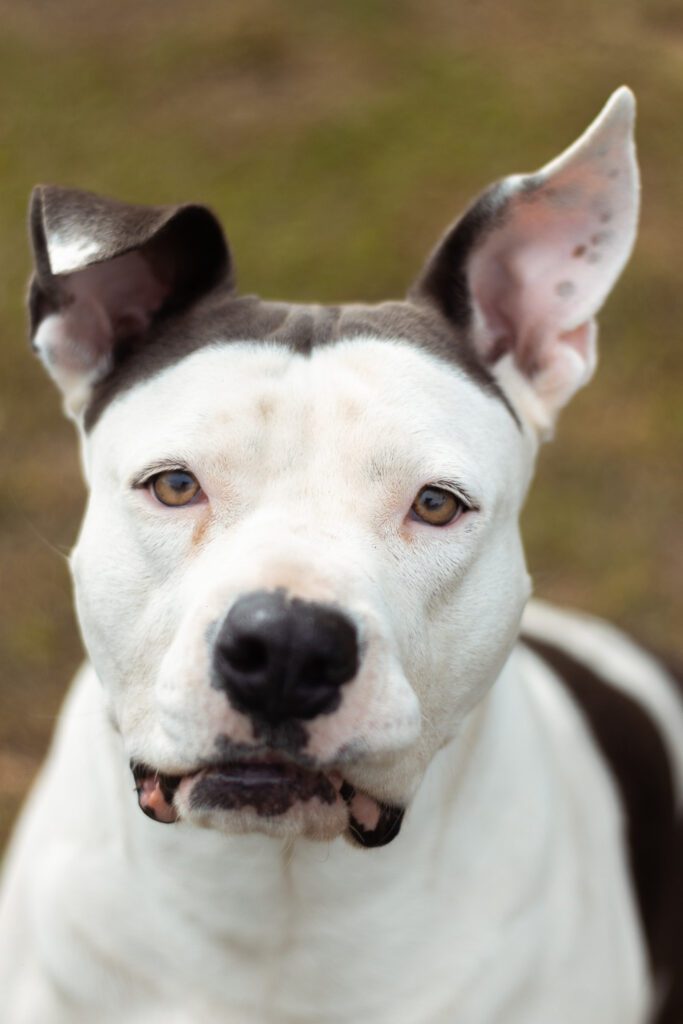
(437, 506)
(174, 487)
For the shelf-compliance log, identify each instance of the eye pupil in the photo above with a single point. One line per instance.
(175, 487)
(432, 499)
(180, 482)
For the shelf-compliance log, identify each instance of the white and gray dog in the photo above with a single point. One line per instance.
(377, 784)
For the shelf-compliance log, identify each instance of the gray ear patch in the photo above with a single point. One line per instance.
(72, 229)
(443, 281)
(105, 271)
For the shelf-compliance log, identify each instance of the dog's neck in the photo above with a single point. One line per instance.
(269, 903)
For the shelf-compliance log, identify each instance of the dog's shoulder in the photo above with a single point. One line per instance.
(624, 690)
(632, 702)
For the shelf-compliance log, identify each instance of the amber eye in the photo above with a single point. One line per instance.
(174, 487)
(436, 506)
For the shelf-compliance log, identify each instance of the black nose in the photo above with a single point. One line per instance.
(282, 658)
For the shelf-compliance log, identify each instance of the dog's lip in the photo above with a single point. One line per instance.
(253, 769)
(251, 775)
(264, 783)
(257, 773)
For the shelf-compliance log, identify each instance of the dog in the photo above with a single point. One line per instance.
(378, 782)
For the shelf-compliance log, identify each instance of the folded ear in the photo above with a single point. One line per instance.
(527, 268)
(105, 271)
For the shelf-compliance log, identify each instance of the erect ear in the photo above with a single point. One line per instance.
(529, 265)
(105, 271)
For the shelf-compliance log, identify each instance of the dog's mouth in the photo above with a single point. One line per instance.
(271, 790)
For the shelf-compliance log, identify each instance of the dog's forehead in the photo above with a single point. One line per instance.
(379, 405)
(224, 318)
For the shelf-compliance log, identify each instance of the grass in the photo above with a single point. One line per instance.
(336, 141)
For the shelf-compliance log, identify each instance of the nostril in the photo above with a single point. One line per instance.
(312, 671)
(246, 654)
(330, 668)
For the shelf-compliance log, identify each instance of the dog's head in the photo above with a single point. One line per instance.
(300, 566)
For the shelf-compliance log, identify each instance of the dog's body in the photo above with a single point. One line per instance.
(508, 898)
(291, 654)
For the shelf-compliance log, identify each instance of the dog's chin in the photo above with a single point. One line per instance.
(276, 798)
(311, 819)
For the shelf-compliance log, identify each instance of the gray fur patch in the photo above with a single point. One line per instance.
(222, 317)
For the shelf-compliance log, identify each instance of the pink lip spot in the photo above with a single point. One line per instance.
(153, 802)
(365, 810)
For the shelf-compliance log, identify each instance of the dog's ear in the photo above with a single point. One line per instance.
(105, 271)
(529, 265)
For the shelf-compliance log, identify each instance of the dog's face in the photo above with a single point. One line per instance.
(323, 482)
(300, 566)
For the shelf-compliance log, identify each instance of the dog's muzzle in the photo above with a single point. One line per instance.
(281, 661)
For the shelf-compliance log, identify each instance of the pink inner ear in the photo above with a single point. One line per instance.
(580, 339)
(545, 266)
(546, 271)
(124, 289)
(100, 305)
(77, 341)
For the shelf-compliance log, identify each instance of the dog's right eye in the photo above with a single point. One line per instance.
(437, 506)
(174, 487)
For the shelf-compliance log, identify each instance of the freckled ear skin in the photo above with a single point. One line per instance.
(529, 265)
(105, 270)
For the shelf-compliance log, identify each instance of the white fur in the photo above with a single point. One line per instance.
(482, 910)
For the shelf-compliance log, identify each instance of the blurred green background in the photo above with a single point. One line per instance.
(336, 140)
